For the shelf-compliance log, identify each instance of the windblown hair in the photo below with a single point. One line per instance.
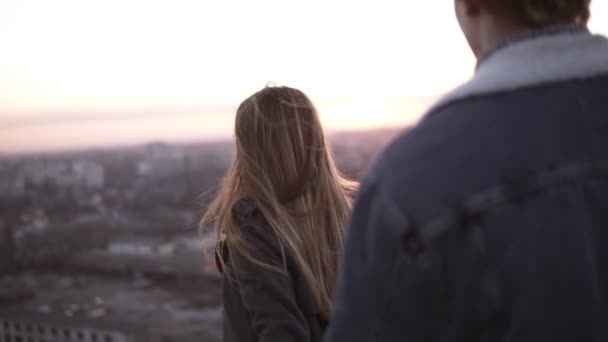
(540, 13)
(284, 167)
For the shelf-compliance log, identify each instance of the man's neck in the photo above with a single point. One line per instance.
(493, 32)
(507, 37)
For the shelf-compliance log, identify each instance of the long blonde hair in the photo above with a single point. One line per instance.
(284, 167)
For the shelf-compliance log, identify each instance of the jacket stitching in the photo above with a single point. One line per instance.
(476, 205)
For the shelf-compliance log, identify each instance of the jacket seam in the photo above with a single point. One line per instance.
(478, 204)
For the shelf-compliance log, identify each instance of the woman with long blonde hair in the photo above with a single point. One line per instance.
(280, 215)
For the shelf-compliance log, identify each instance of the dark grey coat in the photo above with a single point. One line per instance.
(262, 305)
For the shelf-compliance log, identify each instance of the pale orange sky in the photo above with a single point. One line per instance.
(104, 72)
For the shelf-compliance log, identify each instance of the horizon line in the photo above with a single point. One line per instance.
(174, 142)
(39, 119)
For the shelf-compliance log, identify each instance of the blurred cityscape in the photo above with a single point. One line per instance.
(103, 245)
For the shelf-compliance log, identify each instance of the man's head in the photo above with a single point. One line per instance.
(484, 22)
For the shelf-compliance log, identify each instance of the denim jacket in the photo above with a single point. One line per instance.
(489, 220)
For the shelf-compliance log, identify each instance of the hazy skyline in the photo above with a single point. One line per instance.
(97, 73)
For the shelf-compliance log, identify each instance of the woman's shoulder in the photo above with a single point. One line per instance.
(248, 216)
(254, 235)
(251, 223)
(244, 208)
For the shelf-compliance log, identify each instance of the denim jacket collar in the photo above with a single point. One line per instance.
(549, 56)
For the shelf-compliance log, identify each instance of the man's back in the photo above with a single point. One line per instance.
(489, 221)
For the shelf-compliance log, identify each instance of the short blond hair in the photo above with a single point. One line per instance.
(539, 13)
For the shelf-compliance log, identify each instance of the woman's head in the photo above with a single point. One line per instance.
(280, 146)
(284, 167)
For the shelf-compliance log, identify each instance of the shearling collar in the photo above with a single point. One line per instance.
(534, 60)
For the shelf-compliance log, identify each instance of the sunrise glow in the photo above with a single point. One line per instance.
(79, 73)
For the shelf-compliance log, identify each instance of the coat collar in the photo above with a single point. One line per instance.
(538, 58)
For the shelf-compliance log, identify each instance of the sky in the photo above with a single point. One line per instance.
(82, 73)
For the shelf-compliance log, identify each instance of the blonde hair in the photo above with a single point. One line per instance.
(539, 13)
(284, 167)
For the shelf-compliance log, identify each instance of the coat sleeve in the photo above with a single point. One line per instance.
(267, 295)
